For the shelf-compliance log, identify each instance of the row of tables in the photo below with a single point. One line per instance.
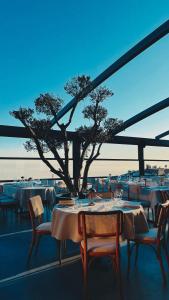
(146, 193)
(22, 191)
(65, 219)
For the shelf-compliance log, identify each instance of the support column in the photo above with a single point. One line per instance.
(141, 159)
(76, 162)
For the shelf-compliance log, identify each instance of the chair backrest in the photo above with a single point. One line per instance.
(162, 217)
(100, 224)
(36, 210)
(105, 195)
(164, 195)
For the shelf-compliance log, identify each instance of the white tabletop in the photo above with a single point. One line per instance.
(65, 219)
(24, 193)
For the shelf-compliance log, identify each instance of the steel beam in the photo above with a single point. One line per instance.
(128, 140)
(162, 135)
(21, 132)
(145, 43)
(142, 115)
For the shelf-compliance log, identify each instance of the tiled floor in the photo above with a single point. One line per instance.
(43, 279)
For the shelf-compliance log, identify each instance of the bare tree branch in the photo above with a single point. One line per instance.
(95, 134)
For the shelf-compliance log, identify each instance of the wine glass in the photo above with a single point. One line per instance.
(118, 196)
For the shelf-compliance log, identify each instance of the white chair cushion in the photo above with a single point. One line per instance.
(100, 245)
(44, 226)
(151, 235)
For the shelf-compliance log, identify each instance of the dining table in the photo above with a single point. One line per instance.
(139, 192)
(23, 194)
(9, 188)
(65, 218)
(152, 194)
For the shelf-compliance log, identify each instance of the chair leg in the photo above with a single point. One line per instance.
(85, 275)
(168, 231)
(166, 253)
(64, 246)
(136, 255)
(128, 256)
(153, 215)
(162, 267)
(114, 264)
(32, 245)
(118, 270)
(37, 243)
(59, 246)
(148, 213)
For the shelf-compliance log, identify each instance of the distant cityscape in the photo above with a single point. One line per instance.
(151, 171)
(14, 170)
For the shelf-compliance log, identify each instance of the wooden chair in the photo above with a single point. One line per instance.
(164, 197)
(100, 244)
(155, 238)
(146, 204)
(39, 228)
(105, 195)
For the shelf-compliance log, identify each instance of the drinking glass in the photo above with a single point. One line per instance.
(118, 196)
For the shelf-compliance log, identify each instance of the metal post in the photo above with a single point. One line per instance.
(141, 159)
(76, 163)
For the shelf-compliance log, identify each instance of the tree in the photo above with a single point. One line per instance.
(91, 137)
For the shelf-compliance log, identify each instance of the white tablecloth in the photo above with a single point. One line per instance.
(65, 220)
(10, 188)
(152, 194)
(23, 195)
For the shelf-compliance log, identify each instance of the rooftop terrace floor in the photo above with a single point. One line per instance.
(45, 279)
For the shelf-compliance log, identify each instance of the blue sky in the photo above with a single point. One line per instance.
(45, 43)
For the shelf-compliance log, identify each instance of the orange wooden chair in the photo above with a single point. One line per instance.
(100, 244)
(155, 237)
(39, 228)
(164, 196)
(105, 195)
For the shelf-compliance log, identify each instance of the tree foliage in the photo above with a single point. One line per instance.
(91, 136)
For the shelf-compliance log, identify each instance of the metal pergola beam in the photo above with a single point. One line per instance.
(162, 135)
(145, 43)
(142, 115)
(127, 140)
(21, 132)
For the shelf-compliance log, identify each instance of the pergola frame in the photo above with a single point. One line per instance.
(141, 143)
(162, 135)
(144, 44)
(21, 132)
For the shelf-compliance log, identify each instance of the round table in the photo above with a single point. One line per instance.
(65, 219)
(23, 195)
